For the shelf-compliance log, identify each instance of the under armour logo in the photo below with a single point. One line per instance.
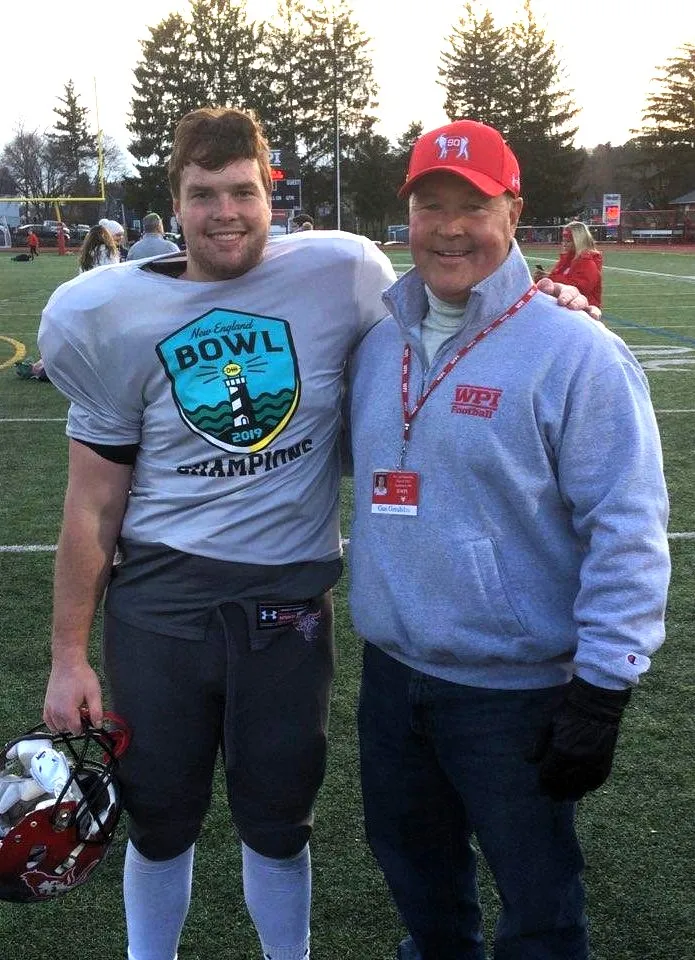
(446, 144)
(269, 614)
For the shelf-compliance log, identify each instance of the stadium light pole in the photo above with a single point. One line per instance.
(337, 164)
(336, 118)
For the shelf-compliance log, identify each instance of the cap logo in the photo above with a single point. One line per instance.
(446, 144)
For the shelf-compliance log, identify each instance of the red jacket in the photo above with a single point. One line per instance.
(583, 272)
(32, 239)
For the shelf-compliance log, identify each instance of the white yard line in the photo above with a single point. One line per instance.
(28, 548)
(640, 273)
(345, 542)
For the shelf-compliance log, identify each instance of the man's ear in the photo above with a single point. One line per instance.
(516, 205)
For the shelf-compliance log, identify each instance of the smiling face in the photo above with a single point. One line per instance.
(567, 241)
(458, 235)
(225, 217)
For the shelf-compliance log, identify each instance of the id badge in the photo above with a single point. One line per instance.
(395, 492)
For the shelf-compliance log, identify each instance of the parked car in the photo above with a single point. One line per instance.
(78, 231)
(176, 238)
(47, 232)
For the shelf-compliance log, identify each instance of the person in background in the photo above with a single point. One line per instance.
(118, 234)
(513, 590)
(580, 264)
(98, 249)
(33, 244)
(152, 242)
(301, 222)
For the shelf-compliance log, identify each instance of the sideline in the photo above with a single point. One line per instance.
(639, 273)
(20, 352)
(344, 542)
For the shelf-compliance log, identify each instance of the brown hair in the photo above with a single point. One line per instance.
(213, 137)
(98, 236)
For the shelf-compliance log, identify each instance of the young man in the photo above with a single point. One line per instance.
(514, 589)
(205, 407)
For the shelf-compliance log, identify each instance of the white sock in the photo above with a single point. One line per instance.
(157, 894)
(278, 897)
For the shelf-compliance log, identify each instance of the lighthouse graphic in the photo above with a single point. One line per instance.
(239, 399)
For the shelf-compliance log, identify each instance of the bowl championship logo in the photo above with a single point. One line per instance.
(234, 378)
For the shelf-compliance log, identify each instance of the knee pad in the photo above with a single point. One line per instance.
(161, 838)
(279, 842)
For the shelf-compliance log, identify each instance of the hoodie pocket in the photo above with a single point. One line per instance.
(493, 587)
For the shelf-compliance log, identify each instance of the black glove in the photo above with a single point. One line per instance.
(575, 752)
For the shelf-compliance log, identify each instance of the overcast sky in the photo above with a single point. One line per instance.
(609, 51)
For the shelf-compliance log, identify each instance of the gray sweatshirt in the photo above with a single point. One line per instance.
(539, 547)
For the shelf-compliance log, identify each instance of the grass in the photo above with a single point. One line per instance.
(637, 831)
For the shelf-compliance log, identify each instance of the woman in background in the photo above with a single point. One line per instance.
(580, 264)
(98, 249)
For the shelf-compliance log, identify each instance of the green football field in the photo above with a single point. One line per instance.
(637, 830)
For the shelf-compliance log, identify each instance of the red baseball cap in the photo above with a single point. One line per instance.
(468, 149)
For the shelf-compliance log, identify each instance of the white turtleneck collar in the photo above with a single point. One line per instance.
(441, 321)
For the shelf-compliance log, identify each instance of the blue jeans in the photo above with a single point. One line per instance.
(440, 762)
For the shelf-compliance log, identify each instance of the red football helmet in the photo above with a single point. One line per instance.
(59, 807)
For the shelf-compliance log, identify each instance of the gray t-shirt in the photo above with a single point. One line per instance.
(231, 389)
(151, 245)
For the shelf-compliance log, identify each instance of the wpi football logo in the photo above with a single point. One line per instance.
(476, 401)
(234, 378)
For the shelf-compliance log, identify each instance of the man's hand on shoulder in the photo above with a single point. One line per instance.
(568, 296)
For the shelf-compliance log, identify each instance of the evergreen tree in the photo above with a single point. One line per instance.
(284, 55)
(667, 137)
(474, 70)
(227, 70)
(165, 89)
(337, 96)
(538, 124)
(337, 84)
(375, 176)
(73, 144)
(404, 147)
(511, 79)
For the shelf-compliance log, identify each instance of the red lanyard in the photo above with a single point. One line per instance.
(409, 415)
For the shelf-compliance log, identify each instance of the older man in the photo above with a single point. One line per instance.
(511, 584)
(152, 243)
